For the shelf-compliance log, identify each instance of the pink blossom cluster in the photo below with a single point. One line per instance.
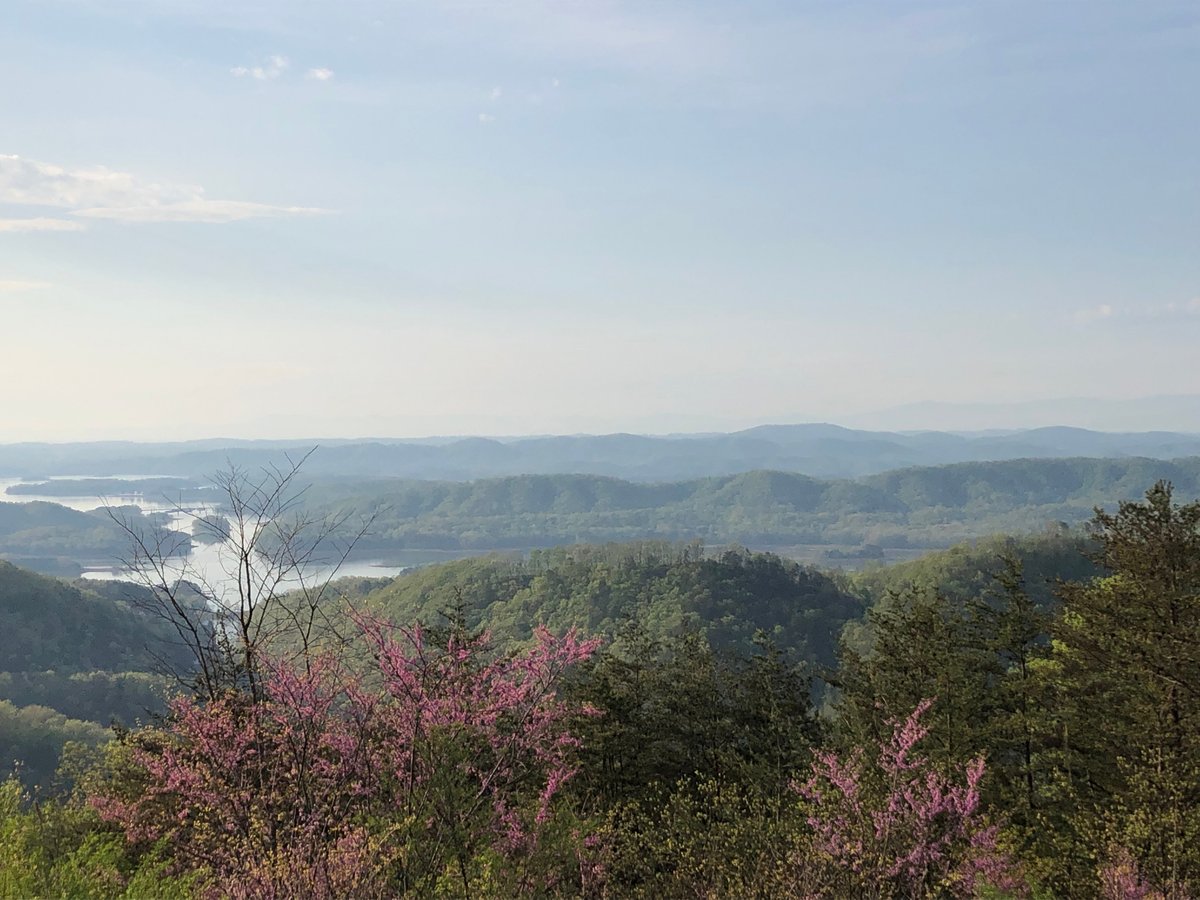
(897, 820)
(1121, 879)
(336, 783)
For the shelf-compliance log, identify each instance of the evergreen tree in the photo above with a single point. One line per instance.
(1128, 648)
(921, 646)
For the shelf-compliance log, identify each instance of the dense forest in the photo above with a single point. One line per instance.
(1014, 717)
(50, 537)
(74, 659)
(729, 600)
(923, 507)
(848, 520)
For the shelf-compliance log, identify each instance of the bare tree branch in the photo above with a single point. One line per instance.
(278, 560)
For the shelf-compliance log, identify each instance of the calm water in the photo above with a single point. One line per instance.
(88, 502)
(206, 560)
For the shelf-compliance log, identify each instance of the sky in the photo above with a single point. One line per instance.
(304, 218)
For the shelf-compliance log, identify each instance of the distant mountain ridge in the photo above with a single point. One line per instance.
(1179, 412)
(817, 449)
(905, 508)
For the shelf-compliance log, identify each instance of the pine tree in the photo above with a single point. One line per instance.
(1128, 645)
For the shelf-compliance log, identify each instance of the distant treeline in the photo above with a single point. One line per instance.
(904, 509)
(155, 488)
(923, 507)
(46, 535)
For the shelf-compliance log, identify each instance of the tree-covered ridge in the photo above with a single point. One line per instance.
(50, 624)
(922, 507)
(729, 598)
(969, 570)
(110, 487)
(901, 510)
(102, 697)
(32, 739)
(42, 534)
(75, 658)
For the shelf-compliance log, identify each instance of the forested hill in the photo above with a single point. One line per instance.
(52, 538)
(821, 450)
(971, 571)
(729, 598)
(922, 507)
(49, 624)
(73, 659)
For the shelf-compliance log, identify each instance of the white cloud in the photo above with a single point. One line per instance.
(497, 93)
(40, 223)
(101, 193)
(13, 286)
(197, 210)
(33, 183)
(319, 74)
(274, 67)
(486, 119)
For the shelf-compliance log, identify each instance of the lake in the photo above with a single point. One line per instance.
(205, 559)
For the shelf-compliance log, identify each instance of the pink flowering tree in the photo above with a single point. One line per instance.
(439, 771)
(1121, 878)
(894, 825)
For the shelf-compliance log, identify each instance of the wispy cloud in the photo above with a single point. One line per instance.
(101, 193)
(273, 68)
(320, 74)
(198, 209)
(12, 286)
(1159, 311)
(40, 223)
(1092, 313)
(486, 118)
(1188, 307)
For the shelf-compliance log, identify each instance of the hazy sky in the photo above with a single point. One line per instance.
(402, 217)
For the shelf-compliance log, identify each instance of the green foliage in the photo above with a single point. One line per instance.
(1128, 644)
(50, 624)
(667, 588)
(675, 711)
(922, 646)
(705, 839)
(122, 697)
(73, 661)
(968, 571)
(42, 529)
(921, 507)
(60, 849)
(32, 740)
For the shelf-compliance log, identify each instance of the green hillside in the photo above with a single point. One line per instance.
(53, 538)
(73, 660)
(599, 589)
(920, 507)
(969, 570)
(52, 624)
